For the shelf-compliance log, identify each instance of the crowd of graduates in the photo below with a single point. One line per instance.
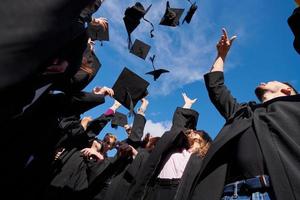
(50, 152)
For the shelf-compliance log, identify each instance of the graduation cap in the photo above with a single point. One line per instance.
(91, 60)
(140, 49)
(294, 23)
(190, 13)
(171, 16)
(119, 119)
(132, 18)
(96, 32)
(156, 72)
(129, 88)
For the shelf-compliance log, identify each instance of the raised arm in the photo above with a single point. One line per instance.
(139, 123)
(95, 126)
(185, 117)
(214, 81)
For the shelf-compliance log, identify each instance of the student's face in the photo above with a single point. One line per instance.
(271, 86)
(108, 144)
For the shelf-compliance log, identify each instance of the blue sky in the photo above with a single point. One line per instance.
(262, 52)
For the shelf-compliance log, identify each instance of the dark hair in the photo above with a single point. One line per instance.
(293, 88)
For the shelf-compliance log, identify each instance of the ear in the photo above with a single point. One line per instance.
(286, 91)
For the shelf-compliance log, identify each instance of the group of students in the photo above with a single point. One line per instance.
(50, 152)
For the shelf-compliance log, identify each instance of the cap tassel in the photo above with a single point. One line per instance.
(190, 13)
(151, 32)
(131, 111)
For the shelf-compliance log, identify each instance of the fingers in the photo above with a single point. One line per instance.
(225, 33)
(233, 38)
(104, 91)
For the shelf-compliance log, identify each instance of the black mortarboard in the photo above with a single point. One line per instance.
(156, 72)
(132, 18)
(91, 60)
(129, 89)
(96, 32)
(294, 23)
(140, 49)
(171, 16)
(119, 119)
(190, 13)
(89, 10)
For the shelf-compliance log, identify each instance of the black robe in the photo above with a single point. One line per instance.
(34, 42)
(70, 178)
(122, 181)
(66, 132)
(276, 124)
(121, 176)
(182, 119)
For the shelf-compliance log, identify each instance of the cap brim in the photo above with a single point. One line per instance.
(130, 24)
(172, 22)
(156, 73)
(129, 88)
(140, 49)
(98, 33)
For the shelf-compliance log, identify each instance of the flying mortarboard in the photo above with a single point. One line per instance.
(96, 32)
(119, 119)
(190, 13)
(129, 89)
(156, 72)
(294, 23)
(140, 49)
(132, 18)
(171, 16)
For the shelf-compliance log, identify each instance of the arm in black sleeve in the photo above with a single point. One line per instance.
(84, 101)
(95, 126)
(137, 130)
(182, 119)
(220, 95)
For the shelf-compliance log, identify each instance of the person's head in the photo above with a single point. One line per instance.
(273, 89)
(149, 142)
(109, 142)
(199, 141)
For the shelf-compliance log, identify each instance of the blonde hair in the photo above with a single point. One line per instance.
(204, 142)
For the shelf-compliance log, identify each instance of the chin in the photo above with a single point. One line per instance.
(259, 92)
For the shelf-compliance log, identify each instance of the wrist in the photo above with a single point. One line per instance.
(187, 105)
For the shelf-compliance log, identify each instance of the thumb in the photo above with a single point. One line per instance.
(233, 38)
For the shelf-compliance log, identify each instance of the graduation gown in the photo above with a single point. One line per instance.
(182, 119)
(276, 124)
(70, 171)
(34, 42)
(122, 181)
(188, 177)
(123, 175)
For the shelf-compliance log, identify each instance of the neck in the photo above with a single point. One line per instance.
(269, 96)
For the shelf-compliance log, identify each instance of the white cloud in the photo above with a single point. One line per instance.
(157, 128)
(187, 51)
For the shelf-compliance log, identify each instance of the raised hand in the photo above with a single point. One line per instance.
(143, 107)
(103, 91)
(187, 101)
(102, 22)
(85, 121)
(224, 44)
